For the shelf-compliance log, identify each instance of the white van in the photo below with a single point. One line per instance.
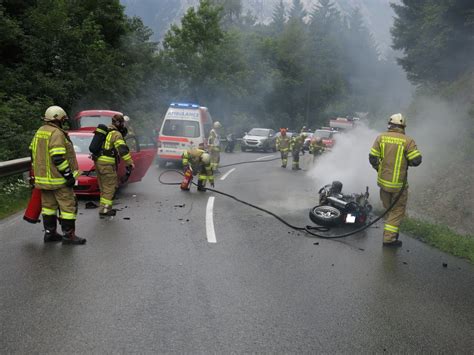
(184, 126)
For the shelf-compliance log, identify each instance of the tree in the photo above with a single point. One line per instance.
(279, 17)
(436, 38)
(297, 11)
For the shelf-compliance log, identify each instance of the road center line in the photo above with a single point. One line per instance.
(265, 157)
(227, 174)
(210, 232)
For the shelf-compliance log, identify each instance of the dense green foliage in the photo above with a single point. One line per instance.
(437, 38)
(76, 54)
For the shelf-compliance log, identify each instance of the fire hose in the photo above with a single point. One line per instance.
(308, 229)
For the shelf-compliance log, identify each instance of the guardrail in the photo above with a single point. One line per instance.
(16, 166)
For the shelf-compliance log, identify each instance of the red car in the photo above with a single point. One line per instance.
(142, 148)
(92, 118)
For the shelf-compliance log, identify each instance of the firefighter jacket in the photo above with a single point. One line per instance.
(297, 144)
(52, 153)
(214, 140)
(283, 143)
(114, 146)
(192, 158)
(391, 154)
(316, 148)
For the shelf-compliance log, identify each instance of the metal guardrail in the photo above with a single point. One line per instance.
(16, 166)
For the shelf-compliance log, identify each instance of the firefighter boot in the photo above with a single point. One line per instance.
(392, 242)
(70, 237)
(50, 225)
(107, 212)
(201, 186)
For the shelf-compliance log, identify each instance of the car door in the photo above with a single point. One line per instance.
(143, 150)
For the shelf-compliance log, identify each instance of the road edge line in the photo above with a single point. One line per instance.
(227, 174)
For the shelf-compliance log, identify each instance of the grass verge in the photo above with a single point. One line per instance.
(14, 196)
(440, 237)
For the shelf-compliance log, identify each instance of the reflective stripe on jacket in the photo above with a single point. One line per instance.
(115, 146)
(50, 140)
(297, 143)
(283, 143)
(193, 157)
(394, 150)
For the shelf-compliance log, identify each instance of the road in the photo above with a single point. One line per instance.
(163, 277)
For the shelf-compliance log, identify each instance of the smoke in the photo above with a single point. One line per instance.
(348, 162)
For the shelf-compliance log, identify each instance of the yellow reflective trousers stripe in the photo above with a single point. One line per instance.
(390, 228)
(106, 202)
(67, 215)
(48, 211)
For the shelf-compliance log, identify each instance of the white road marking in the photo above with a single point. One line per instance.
(227, 174)
(211, 233)
(265, 157)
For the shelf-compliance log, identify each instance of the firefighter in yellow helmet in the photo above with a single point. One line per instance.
(391, 155)
(55, 170)
(113, 149)
(196, 161)
(214, 146)
(283, 145)
(316, 147)
(296, 147)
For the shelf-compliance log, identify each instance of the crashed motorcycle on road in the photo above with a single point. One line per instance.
(336, 208)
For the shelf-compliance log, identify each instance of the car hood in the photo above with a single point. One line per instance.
(85, 162)
(258, 138)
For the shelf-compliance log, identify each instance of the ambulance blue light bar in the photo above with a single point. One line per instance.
(184, 105)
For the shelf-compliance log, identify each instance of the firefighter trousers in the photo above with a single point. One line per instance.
(296, 160)
(394, 217)
(215, 157)
(284, 158)
(62, 199)
(108, 183)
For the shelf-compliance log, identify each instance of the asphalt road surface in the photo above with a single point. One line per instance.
(197, 272)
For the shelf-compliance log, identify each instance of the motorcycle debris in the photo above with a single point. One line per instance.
(316, 243)
(127, 218)
(91, 205)
(445, 264)
(180, 206)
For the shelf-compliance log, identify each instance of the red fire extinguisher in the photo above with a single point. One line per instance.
(33, 210)
(188, 178)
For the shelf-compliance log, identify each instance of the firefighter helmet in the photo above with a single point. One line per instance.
(206, 158)
(398, 120)
(118, 118)
(217, 124)
(54, 113)
(126, 119)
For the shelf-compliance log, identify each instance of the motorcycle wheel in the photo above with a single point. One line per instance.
(325, 215)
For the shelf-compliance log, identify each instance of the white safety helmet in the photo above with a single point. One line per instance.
(217, 124)
(54, 113)
(398, 119)
(206, 158)
(126, 119)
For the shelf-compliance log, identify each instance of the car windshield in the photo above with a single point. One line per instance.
(181, 128)
(259, 132)
(323, 134)
(81, 142)
(94, 121)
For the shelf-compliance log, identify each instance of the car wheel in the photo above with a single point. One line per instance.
(325, 215)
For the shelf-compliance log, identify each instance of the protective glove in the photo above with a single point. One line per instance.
(70, 180)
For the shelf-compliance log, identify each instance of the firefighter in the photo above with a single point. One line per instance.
(283, 145)
(55, 170)
(391, 155)
(316, 147)
(113, 149)
(214, 146)
(197, 161)
(296, 147)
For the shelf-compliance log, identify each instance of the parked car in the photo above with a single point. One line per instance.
(327, 136)
(259, 139)
(142, 148)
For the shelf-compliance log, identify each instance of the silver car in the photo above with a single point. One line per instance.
(259, 139)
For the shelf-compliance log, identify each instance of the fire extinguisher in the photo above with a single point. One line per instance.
(188, 178)
(33, 210)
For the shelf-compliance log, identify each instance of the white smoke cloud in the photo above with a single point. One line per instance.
(348, 162)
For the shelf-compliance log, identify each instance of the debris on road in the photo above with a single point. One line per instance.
(180, 206)
(445, 264)
(127, 218)
(91, 205)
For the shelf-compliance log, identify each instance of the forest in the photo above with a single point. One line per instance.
(299, 69)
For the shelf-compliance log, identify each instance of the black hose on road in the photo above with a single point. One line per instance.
(308, 229)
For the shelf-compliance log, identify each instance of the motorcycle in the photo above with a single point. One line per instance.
(230, 145)
(336, 208)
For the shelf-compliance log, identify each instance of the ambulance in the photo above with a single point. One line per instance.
(184, 126)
